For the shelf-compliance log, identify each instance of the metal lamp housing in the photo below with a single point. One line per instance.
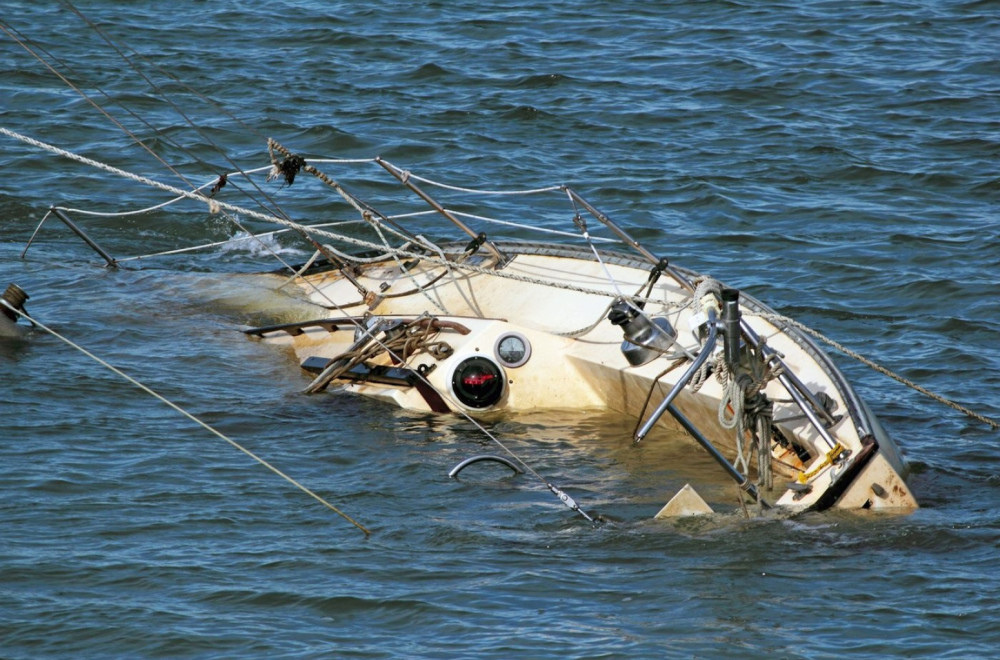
(645, 338)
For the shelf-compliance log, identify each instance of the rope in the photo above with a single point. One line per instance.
(765, 476)
(194, 419)
(377, 226)
(302, 228)
(752, 411)
(297, 274)
(882, 370)
(194, 248)
(23, 43)
(146, 181)
(405, 342)
(519, 225)
(150, 209)
(532, 191)
(161, 95)
(831, 455)
(734, 396)
(706, 286)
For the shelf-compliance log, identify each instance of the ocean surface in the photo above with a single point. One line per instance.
(838, 160)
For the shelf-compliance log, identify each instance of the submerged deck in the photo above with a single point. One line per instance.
(553, 305)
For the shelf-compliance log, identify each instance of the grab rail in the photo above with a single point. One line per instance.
(706, 351)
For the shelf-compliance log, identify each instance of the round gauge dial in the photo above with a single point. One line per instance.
(512, 349)
(478, 382)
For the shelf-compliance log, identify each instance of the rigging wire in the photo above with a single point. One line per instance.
(190, 416)
(160, 94)
(566, 499)
(22, 41)
(306, 231)
(563, 497)
(777, 318)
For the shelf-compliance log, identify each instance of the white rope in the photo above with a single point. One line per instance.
(228, 241)
(517, 225)
(343, 161)
(119, 214)
(294, 225)
(474, 191)
(149, 209)
(297, 274)
(191, 417)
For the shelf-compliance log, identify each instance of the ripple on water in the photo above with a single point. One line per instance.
(837, 161)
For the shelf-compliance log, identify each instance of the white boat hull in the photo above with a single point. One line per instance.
(557, 302)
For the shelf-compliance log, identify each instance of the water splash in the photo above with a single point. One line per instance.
(259, 245)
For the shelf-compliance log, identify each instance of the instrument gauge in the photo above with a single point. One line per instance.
(512, 349)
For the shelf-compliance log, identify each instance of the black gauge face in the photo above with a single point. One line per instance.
(512, 349)
(478, 382)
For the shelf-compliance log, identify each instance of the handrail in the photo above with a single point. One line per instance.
(405, 180)
(622, 234)
(706, 351)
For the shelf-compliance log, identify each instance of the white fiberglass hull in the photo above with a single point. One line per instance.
(540, 320)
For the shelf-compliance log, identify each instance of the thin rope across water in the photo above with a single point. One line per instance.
(563, 497)
(190, 416)
(777, 318)
(475, 191)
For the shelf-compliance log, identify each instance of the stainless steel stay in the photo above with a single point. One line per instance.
(706, 351)
(405, 180)
(622, 234)
(76, 230)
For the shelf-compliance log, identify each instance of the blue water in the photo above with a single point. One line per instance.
(838, 160)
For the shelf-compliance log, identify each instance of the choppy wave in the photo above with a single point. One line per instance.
(837, 160)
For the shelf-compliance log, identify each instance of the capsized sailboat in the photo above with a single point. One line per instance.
(487, 326)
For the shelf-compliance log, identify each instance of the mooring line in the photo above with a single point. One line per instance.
(871, 364)
(565, 499)
(194, 419)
